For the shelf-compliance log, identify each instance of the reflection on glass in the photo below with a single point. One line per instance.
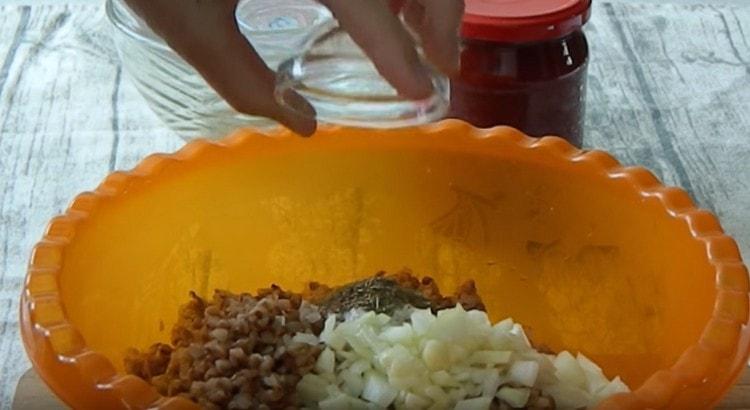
(344, 87)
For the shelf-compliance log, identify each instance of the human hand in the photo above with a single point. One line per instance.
(205, 33)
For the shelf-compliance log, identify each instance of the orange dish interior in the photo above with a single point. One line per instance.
(588, 255)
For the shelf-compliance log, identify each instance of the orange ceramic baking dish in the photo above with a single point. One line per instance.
(590, 255)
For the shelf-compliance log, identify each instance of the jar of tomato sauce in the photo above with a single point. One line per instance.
(523, 64)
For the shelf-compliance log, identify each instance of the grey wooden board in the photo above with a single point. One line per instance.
(32, 394)
(669, 88)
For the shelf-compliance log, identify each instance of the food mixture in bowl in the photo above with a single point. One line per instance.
(387, 342)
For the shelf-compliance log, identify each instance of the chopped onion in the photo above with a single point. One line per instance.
(451, 326)
(515, 397)
(518, 331)
(569, 397)
(443, 379)
(436, 355)
(326, 362)
(455, 359)
(400, 334)
(360, 366)
(312, 388)
(306, 338)
(407, 373)
(414, 401)
(339, 402)
(524, 372)
(490, 357)
(457, 394)
(595, 379)
(479, 403)
(613, 387)
(422, 320)
(568, 369)
(437, 394)
(480, 318)
(377, 390)
(491, 383)
(503, 326)
(351, 383)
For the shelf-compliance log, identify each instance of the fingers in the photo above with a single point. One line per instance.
(437, 22)
(298, 119)
(373, 26)
(205, 34)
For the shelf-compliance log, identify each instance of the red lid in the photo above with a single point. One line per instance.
(519, 21)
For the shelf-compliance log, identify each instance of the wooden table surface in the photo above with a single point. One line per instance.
(669, 88)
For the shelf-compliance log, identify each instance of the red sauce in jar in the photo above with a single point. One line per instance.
(523, 64)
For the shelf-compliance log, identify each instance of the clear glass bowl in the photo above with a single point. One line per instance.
(344, 87)
(177, 93)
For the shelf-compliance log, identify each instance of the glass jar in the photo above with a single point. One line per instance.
(523, 64)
